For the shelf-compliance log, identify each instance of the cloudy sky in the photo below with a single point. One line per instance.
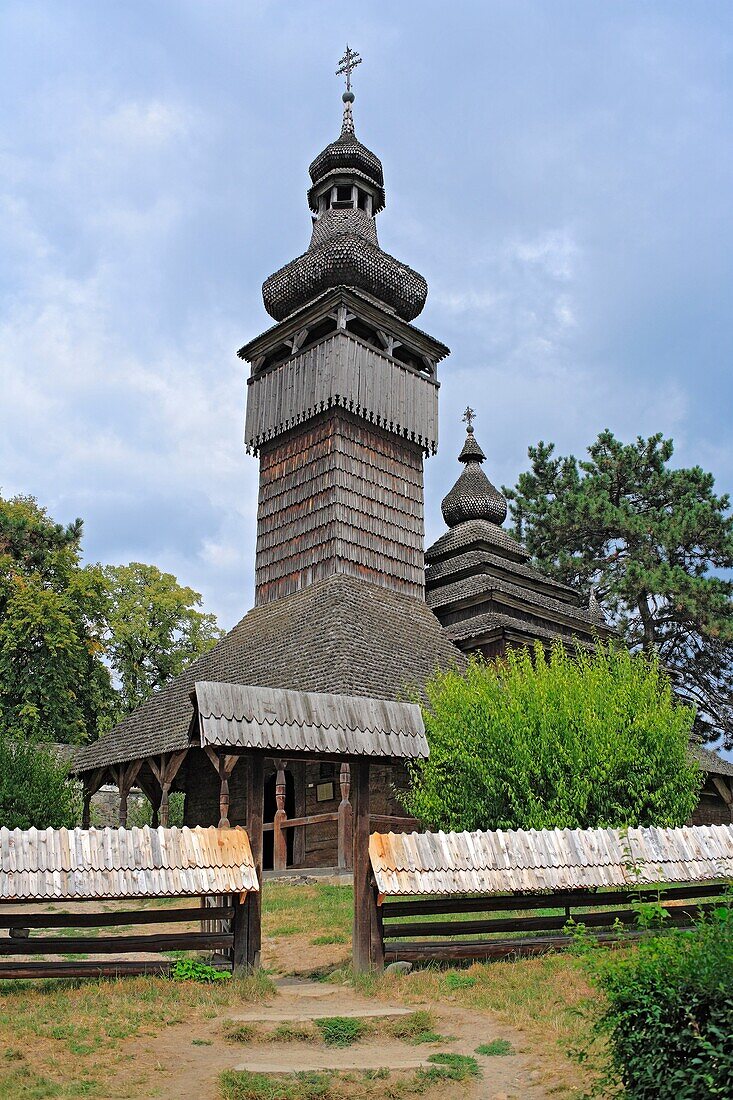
(561, 172)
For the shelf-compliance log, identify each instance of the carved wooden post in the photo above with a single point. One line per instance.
(164, 769)
(224, 766)
(86, 807)
(345, 821)
(279, 840)
(362, 935)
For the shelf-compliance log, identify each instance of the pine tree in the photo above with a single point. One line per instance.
(654, 542)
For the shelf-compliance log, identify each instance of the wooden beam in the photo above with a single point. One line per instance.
(255, 798)
(725, 792)
(362, 934)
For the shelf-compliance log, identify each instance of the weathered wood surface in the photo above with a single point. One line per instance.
(681, 914)
(114, 945)
(84, 968)
(363, 898)
(339, 495)
(572, 900)
(249, 922)
(105, 919)
(490, 949)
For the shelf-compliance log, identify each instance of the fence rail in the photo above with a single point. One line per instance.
(220, 937)
(610, 915)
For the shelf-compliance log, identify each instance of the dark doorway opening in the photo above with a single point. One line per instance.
(268, 814)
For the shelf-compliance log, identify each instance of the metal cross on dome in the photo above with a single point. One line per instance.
(347, 64)
(468, 418)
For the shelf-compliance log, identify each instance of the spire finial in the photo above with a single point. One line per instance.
(468, 418)
(347, 64)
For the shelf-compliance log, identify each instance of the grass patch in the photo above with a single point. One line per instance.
(341, 1031)
(239, 1033)
(416, 1028)
(293, 1033)
(459, 1066)
(455, 980)
(330, 937)
(496, 1046)
(201, 1043)
(379, 1084)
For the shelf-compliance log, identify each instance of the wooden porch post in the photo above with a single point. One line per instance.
(255, 798)
(362, 936)
(126, 774)
(224, 766)
(279, 840)
(92, 783)
(345, 821)
(165, 769)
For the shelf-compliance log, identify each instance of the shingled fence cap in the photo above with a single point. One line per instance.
(276, 720)
(79, 864)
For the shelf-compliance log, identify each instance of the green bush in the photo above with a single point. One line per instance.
(539, 742)
(193, 970)
(669, 1015)
(35, 789)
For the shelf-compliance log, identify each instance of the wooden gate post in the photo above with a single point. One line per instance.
(362, 934)
(255, 798)
(345, 821)
(279, 840)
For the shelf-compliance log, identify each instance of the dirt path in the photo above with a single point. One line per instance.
(186, 1059)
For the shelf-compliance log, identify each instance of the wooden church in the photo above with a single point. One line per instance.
(342, 411)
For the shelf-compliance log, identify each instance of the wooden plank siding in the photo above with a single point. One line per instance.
(339, 496)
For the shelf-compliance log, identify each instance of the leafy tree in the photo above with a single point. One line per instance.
(35, 790)
(538, 742)
(652, 540)
(153, 629)
(54, 685)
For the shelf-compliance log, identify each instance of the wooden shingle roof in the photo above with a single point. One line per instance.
(340, 635)
(276, 720)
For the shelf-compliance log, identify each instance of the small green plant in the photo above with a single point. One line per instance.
(496, 1046)
(341, 1031)
(455, 980)
(581, 940)
(192, 970)
(201, 1043)
(415, 1028)
(460, 1066)
(292, 1033)
(235, 1032)
(649, 915)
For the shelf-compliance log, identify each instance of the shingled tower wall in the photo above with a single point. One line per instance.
(342, 401)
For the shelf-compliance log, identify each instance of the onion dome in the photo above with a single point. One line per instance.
(347, 192)
(346, 154)
(473, 496)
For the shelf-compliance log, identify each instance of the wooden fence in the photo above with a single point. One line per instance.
(29, 936)
(527, 924)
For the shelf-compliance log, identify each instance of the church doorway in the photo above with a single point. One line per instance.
(268, 815)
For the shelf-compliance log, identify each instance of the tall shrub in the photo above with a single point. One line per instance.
(668, 1018)
(35, 790)
(560, 741)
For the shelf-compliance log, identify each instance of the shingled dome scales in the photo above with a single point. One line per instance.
(473, 496)
(346, 194)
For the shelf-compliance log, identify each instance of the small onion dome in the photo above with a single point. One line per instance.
(473, 496)
(347, 156)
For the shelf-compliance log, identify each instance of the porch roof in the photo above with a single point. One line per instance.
(285, 722)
